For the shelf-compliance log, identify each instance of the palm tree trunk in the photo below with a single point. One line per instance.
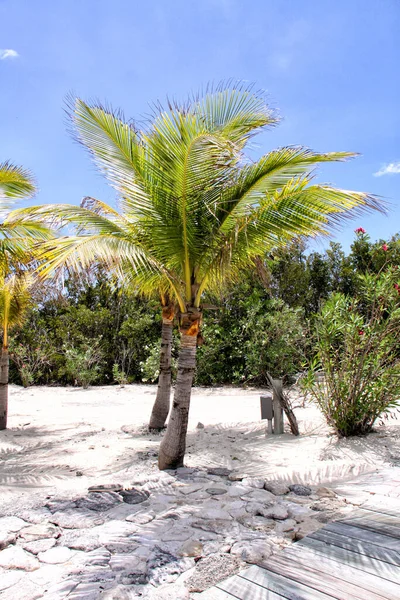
(161, 406)
(4, 360)
(173, 445)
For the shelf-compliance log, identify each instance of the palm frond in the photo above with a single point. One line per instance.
(15, 299)
(57, 216)
(116, 149)
(79, 252)
(30, 231)
(308, 210)
(272, 172)
(298, 209)
(236, 111)
(15, 182)
(124, 261)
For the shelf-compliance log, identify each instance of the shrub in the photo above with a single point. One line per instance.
(276, 341)
(29, 361)
(359, 354)
(258, 335)
(119, 375)
(83, 364)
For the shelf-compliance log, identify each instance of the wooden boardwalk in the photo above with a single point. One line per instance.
(355, 558)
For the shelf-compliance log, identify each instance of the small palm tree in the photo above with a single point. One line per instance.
(18, 247)
(15, 300)
(195, 211)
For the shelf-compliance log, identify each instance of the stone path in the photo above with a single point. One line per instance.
(354, 557)
(171, 535)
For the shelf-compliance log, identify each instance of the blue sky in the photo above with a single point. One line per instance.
(329, 66)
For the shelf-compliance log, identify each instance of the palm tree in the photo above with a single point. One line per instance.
(15, 299)
(195, 211)
(18, 242)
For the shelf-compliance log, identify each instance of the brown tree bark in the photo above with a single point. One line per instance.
(173, 445)
(161, 405)
(4, 362)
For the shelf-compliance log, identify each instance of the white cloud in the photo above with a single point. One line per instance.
(390, 169)
(8, 53)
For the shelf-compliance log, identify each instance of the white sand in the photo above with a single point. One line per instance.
(56, 432)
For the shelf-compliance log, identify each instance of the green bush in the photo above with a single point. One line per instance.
(119, 375)
(31, 362)
(251, 336)
(276, 341)
(83, 364)
(89, 311)
(358, 351)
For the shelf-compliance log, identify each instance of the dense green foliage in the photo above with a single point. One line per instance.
(90, 319)
(251, 335)
(265, 323)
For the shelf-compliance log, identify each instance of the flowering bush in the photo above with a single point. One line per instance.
(360, 230)
(358, 351)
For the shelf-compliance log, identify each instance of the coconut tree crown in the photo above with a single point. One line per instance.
(194, 210)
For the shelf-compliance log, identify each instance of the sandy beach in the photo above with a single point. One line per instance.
(66, 439)
(242, 497)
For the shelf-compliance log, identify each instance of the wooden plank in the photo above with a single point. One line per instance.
(364, 513)
(285, 588)
(377, 526)
(353, 559)
(321, 581)
(365, 548)
(354, 531)
(244, 589)
(370, 582)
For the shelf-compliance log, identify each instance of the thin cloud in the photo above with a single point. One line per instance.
(8, 53)
(390, 169)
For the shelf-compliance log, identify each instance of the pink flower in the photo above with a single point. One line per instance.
(385, 247)
(360, 332)
(360, 230)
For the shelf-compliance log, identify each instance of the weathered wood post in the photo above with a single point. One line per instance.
(277, 401)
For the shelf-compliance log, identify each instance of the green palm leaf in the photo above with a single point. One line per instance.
(272, 172)
(15, 300)
(15, 182)
(236, 110)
